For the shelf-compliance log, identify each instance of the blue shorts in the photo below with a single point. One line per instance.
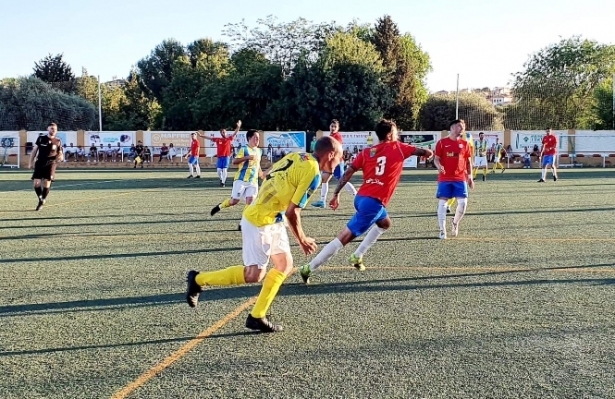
(369, 211)
(547, 160)
(339, 171)
(452, 189)
(223, 162)
(192, 160)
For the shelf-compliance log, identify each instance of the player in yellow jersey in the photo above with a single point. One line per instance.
(500, 152)
(288, 187)
(480, 155)
(467, 136)
(245, 185)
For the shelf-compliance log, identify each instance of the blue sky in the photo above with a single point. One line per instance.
(484, 41)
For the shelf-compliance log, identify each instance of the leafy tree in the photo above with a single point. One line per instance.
(29, 103)
(559, 81)
(156, 70)
(55, 71)
(86, 86)
(181, 99)
(479, 114)
(346, 83)
(603, 106)
(281, 43)
(127, 107)
(406, 66)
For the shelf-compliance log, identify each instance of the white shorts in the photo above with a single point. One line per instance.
(497, 159)
(259, 243)
(244, 189)
(480, 161)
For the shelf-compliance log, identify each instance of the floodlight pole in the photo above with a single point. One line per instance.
(99, 106)
(614, 101)
(457, 99)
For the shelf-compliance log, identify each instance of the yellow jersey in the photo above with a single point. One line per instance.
(370, 141)
(293, 178)
(248, 170)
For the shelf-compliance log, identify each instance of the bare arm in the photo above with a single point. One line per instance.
(237, 126)
(438, 165)
(33, 156)
(205, 136)
(61, 153)
(293, 216)
(344, 180)
(423, 152)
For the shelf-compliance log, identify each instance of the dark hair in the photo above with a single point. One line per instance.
(325, 144)
(481, 133)
(53, 124)
(548, 129)
(250, 133)
(383, 128)
(456, 121)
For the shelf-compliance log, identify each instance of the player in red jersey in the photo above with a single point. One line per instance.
(547, 154)
(453, 159)
(193, 157)
(223, 151)
(382, 166)
(334, 129)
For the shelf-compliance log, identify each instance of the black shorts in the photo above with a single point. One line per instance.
(44, 171)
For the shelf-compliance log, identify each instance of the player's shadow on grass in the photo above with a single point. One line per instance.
(128, 235)
(132, 223)
(536, 211)
(87, 347)
(295, 289)
(118, 256)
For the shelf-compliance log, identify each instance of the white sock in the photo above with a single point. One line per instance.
(442, 214)
(219, 174)
(350, 188)
(370, 239)
(198, 169)
(554, 171)
(224, 174)
(462, 205)
(544, 173)
(324, 191)
(326, 254)
(191, 169)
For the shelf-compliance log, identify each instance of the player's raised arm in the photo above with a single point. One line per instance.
(237, 127)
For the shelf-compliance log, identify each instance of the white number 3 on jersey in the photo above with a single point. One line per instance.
(380, 167)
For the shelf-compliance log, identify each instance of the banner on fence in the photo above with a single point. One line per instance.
(423, 140)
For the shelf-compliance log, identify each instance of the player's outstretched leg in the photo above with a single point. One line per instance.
(356, 259)
(233, 275)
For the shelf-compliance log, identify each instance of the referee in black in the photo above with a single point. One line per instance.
(46, 153)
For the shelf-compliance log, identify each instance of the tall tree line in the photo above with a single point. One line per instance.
(299, 75)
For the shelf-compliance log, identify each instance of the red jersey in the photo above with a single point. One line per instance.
(454, 157)
(337, 136)
(223, 146)
(382, 165)
(195, 147)
(549, 143)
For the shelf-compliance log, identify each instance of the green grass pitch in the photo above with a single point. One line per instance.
(520, 305)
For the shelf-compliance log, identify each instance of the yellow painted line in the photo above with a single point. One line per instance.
(181, 352)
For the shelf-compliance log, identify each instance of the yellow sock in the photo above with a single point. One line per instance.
(450, 202)
(484, 171)
(230, 276)
(475, 172)
(271, 286)
(225, 204)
